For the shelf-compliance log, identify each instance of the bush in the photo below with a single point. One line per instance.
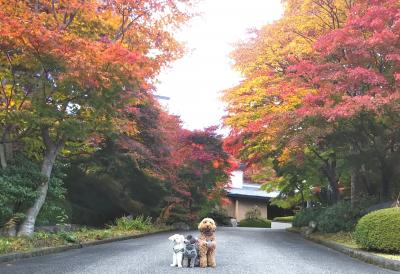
(305, 216)
(254, 213)
(139, 223)
(255, 222)
(339, 217)
(379, 230)
(287, 219)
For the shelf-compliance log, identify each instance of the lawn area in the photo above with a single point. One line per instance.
(346, 239)
(286, 219)
(122, 227)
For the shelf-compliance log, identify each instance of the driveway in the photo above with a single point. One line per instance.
(240, 250)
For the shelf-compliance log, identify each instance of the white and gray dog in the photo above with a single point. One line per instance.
(190, 254)
(178, 248)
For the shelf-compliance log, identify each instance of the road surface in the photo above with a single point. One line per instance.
(240, 250)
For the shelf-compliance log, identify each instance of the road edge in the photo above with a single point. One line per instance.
(355, 253)
(10, 257)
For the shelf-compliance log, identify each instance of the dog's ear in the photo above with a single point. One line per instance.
(214, 226)
(200, 225)
(172, 238)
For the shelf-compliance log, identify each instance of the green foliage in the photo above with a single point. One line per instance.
(288, 219)
(68, 237)
(253, 213)
(140, 223)
(255, 222)
(305, 216)
(55, 210)
(46, 239)
(219, 215)
(339, 217)
(179, 213)
(5, 245)
(18, 184)
(379, 230)
(110, 183)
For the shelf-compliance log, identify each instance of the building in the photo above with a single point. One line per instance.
(245, 195)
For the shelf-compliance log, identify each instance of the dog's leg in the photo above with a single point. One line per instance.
(192, 262)
(211, 258)
(179, 259)
(173, 260)
(185, 262)
(203, 254)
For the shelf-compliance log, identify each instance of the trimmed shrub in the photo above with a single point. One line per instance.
(255, 222)
(305, 216)
(287, 219)
(379, 230)
(339, 217)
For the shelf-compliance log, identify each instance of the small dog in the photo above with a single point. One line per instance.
(207, 243)
(178, 248)
(190, 258)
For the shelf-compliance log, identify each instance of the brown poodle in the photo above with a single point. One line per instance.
(207, 243)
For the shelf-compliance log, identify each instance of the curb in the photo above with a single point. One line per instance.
(357, 254)
(50, 250)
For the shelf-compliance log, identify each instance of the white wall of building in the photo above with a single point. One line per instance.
(237, 179)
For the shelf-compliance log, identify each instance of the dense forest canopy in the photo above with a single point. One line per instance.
(79, 119)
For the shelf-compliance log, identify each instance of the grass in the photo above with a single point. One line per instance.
(346, 239)
(343, 238)
(286, 219)
(122, 227)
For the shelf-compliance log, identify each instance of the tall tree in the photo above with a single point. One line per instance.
(74, 64)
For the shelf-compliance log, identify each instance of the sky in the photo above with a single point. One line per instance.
(194, 83)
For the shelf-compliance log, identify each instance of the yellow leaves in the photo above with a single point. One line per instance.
(284, 157)
(126, 127)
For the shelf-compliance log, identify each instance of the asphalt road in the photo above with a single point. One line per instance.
(239, 250)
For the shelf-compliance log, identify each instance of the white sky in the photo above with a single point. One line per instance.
(194, 83)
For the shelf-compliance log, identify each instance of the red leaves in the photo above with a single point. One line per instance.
(356, 64)
(291, 98)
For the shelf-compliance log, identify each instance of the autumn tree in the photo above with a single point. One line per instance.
(200, 169)
(355, 73)
(320, 81)
(69, 66)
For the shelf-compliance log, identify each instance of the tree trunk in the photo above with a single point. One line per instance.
(330, 172)
(3, 159)
(385, 181)
(335, 191)
(354, 188)
(385, 186)
(6, 147)
(27, 227)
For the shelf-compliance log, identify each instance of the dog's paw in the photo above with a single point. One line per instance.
(172, 264)
(179, 265)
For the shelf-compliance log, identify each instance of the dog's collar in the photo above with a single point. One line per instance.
(178, 250)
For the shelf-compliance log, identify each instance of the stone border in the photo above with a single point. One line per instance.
(50, 250)
(356, 253)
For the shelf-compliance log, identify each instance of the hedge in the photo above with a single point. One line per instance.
(379, 230)
(255, 222)
(338, 217)
(305, 216)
